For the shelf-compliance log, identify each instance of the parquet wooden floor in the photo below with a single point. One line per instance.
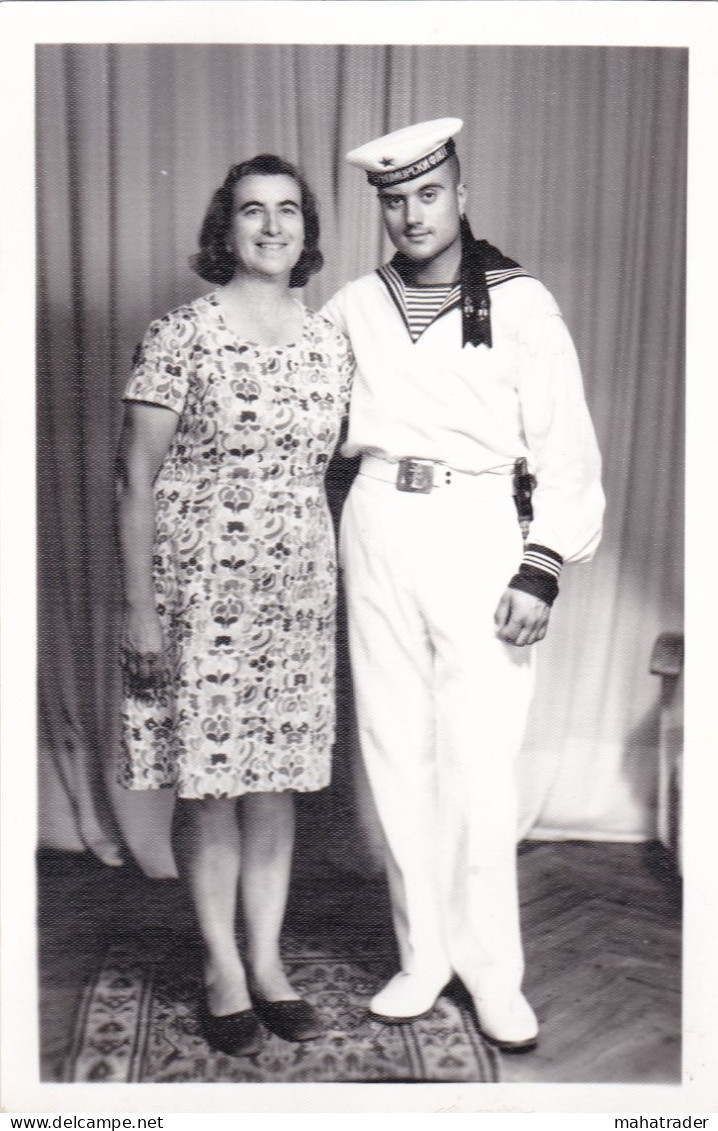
(602, 933)
(602, 939)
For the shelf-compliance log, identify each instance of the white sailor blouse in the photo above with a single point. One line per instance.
(480, 409)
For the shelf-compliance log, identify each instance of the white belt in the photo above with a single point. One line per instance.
(419, 476)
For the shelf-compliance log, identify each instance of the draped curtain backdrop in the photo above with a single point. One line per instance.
(575, 161)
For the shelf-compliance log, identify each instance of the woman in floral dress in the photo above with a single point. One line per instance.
(232, 414)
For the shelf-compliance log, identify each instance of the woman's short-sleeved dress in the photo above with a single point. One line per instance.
(244, 559)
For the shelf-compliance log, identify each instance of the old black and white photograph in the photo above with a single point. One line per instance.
(359, 527)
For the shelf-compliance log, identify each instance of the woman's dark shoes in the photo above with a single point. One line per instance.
(236, 1034)
(292, 1020)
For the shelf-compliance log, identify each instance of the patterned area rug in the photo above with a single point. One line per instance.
(138, 1024)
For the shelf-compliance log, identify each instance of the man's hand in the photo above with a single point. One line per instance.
(520, 618)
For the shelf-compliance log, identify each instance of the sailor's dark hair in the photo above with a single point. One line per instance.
(215, 261)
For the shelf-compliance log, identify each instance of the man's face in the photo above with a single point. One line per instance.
(422, 216)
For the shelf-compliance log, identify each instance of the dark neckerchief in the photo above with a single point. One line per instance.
(482, 266)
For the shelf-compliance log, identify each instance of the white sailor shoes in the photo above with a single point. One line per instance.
(508, 1021)
(406, 997)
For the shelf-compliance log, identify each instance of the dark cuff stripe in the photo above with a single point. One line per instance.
(540, 557)
(535, 582)
(538, 573)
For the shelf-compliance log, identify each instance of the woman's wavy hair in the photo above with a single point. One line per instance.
(215, 261)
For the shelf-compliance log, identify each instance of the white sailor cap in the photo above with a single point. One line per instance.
(408, 153)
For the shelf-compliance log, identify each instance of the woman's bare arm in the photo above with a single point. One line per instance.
(147, 433)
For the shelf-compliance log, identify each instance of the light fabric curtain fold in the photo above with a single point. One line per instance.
(575, 161)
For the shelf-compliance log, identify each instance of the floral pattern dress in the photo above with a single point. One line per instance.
(244, 558)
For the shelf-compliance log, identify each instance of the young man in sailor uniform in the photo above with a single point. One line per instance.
(464, 367)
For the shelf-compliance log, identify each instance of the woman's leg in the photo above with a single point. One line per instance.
(267, 823)
(207, 846)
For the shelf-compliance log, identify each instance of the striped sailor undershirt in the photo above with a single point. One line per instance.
(419, 306)
(423, 304)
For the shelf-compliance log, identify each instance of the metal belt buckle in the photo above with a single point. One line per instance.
(415, 475)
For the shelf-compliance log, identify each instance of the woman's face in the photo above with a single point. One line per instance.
(267, 234)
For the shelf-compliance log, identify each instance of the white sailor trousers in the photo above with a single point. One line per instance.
(441, 710)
